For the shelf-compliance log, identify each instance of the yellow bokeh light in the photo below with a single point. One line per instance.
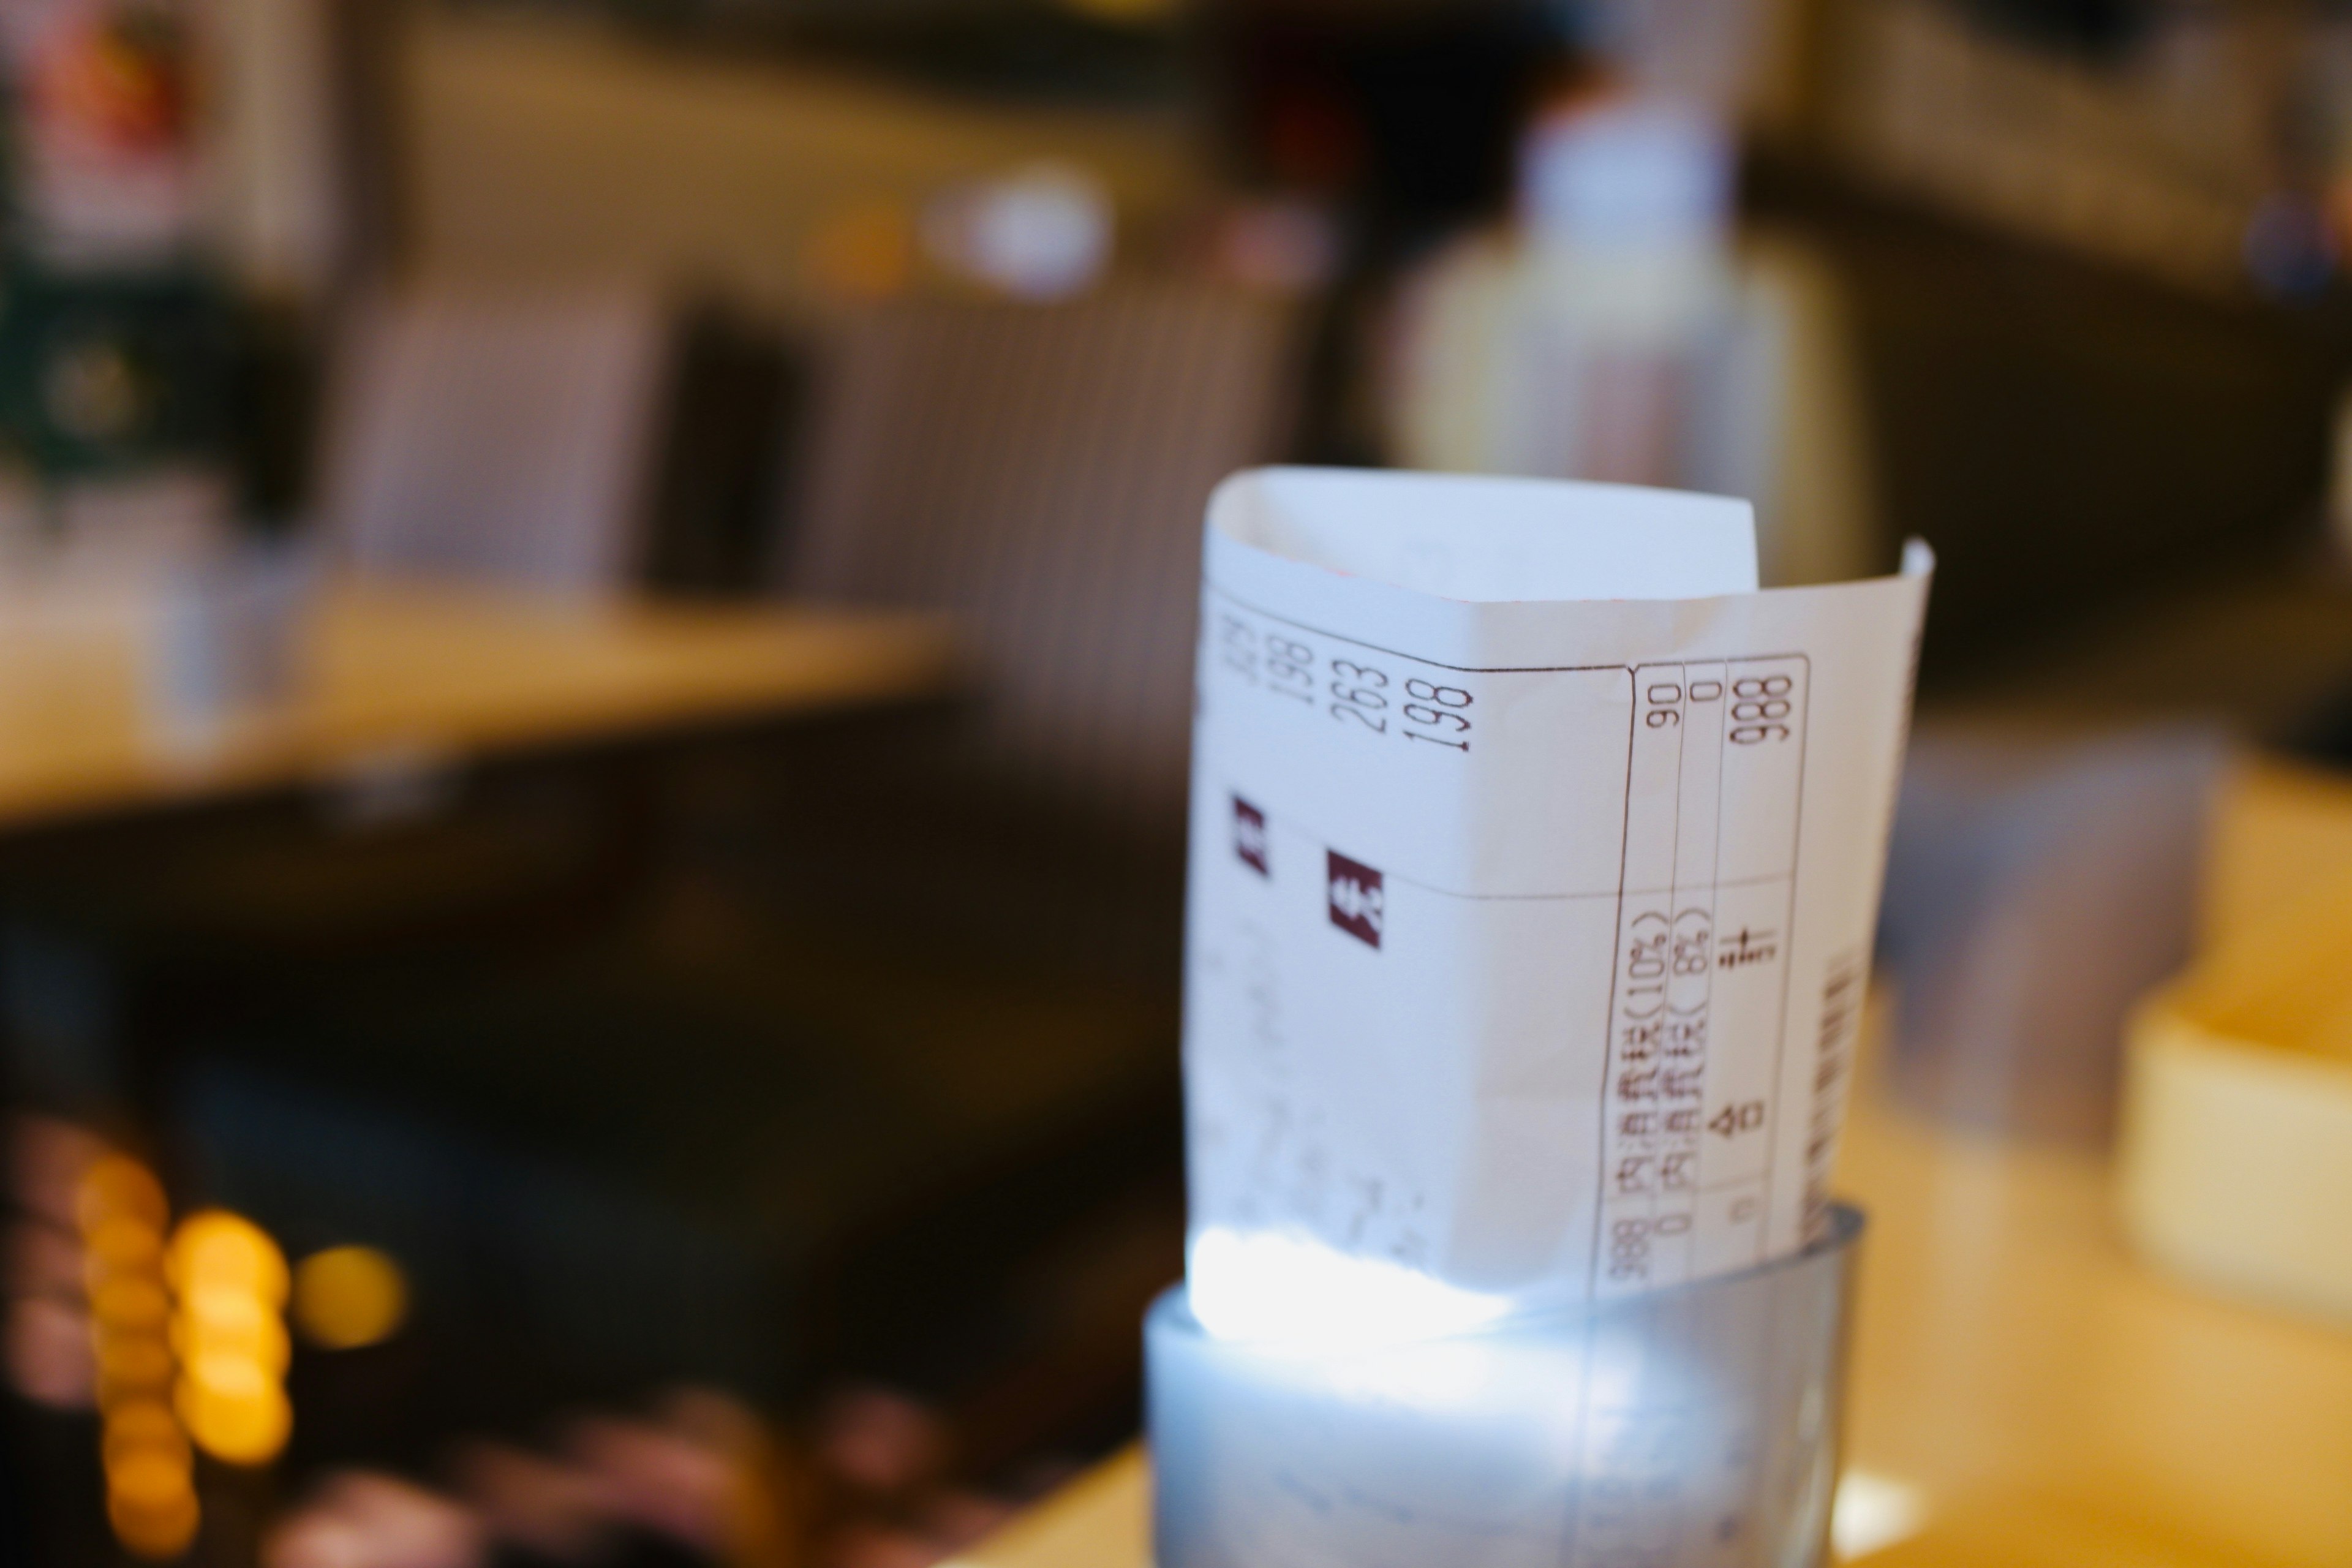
(218, 1250)
(157, 1532)
(230, 1375)
(119, 1188)
(347, 1297)
(214, 1322)
(235, 1411)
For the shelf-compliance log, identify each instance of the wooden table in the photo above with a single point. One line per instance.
(2052, 1400)
(415, 676)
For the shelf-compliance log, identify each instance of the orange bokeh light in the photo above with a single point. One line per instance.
(131, 1304)
(141, 1427)
(122, 1244)
(118, 1187)
(158, 1531)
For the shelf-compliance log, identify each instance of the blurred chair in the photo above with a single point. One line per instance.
(504, 437)
(1042, 472)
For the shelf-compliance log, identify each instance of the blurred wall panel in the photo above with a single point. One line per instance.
(2066, 434)
(542, 149)
(2153, 150)
(278, 130)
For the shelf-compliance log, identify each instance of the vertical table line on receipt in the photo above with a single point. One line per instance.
(1800, 675)
(1608, 1064)
(1642, 1127)
(1697, 846)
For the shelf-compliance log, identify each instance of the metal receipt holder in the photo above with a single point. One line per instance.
(1693, 1426)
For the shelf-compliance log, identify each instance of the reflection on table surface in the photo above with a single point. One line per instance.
(2023, 1389)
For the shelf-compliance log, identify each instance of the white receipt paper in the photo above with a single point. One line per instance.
(1535, 859)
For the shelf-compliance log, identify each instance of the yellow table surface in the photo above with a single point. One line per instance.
(2053, 1400)
(415, 675)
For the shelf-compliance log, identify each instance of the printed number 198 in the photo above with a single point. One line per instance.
(1438, 709)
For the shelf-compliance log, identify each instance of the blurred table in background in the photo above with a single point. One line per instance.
(2051, 1400)
(411, 677)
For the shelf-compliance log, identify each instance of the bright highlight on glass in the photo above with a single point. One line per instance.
(1874, 1512)
(346, 1298)
(1263, 1285)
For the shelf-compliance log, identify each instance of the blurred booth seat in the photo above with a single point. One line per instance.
(1039, 471)
(497, 435)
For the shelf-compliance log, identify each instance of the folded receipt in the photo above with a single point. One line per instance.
(1535, 859)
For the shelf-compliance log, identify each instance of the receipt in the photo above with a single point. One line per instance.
(1535, 858)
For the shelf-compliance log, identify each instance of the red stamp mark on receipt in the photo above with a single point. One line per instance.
(1358, 900)
(1249, 838)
